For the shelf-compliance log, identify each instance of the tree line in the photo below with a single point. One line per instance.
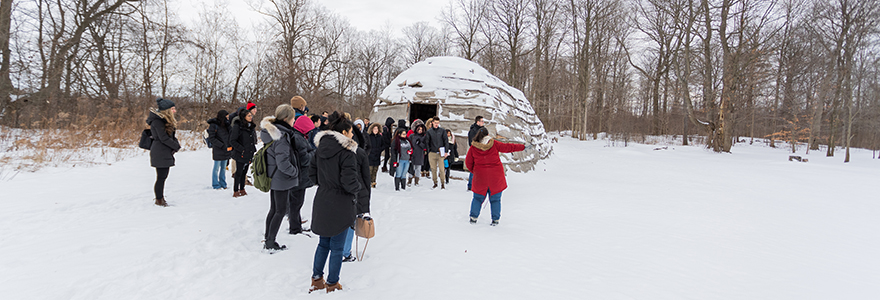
(712, 71)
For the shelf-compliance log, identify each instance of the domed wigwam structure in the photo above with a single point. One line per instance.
(457, 90)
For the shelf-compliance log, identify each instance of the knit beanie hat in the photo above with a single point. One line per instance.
(250, 105)
(164, 103)
(298, 102)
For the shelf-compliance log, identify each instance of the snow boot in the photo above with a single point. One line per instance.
(243, 192)
(317, 284)
(334, 287)
(402, 184)
(396, 184)
(417, 181)
(494, 223)
(473, 220)
(409, 181)
(272, 245)
(349, 258)
(434, 187)
(236, 194)
(161, 202)
(385, 169)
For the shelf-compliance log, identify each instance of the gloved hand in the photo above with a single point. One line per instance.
(409, 151)
(394, 164)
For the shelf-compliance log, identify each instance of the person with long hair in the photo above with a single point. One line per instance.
(335, 171)
(453, 153)
(163, 126)
(401, 154)
(484, 162)
(243, 139)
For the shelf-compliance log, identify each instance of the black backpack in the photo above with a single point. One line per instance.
(146, 139)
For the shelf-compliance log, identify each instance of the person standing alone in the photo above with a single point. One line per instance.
(163, 126)
(483, 161)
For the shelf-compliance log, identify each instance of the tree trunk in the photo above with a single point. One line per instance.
(5, 81)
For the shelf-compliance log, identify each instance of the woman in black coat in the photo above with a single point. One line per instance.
(243, 139)
(221, 149)
(335, 171)
(163, 126)
(419, 140)
(453, 153)
(377, 142)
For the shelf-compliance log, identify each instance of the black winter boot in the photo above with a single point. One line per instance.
(396, 184)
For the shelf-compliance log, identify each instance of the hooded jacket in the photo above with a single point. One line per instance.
(483, 161)
(472, 132)
(387, 132)
(243, 138)
(218, 135)
(281, 160)
(164, 145)
(335, 171)
(377, 144)
(419, 144)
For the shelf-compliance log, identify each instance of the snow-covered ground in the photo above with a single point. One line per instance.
(592, 222)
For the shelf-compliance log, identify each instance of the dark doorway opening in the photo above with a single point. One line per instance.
(422, 112)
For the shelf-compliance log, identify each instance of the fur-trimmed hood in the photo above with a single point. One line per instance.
(485, 144)
(330, 149)
(274, 130)
(376, 125)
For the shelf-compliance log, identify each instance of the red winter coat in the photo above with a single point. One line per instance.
(483, 161)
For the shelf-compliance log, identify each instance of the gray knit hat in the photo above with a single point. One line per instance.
(164, 103)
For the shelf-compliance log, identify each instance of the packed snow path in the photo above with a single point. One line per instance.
(592, 222)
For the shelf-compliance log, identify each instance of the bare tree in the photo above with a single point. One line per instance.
(466, 18)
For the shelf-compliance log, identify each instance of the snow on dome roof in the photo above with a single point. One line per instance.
(462, 89)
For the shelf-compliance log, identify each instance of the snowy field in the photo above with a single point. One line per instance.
(592, 222)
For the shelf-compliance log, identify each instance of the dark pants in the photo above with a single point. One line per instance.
(159, 187)
(387, 157)
(240, 176)
(278, 208)
(297, 197)
(332, 247)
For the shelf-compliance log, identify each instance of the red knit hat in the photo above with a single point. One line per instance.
(251, 105)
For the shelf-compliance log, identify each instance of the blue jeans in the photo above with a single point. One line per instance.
(346, 250)
(494, 201)
(470, 180)
(332, 247)
(402, 169)
(219, 180)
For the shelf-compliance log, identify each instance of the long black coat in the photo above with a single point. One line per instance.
(218, 135)
(363, 197)
(377, 144)
(387, 133)
(335, 171)
(420, 146)
(243, 138)
(164, 145)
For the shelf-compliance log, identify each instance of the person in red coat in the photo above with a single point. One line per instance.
(484, 163)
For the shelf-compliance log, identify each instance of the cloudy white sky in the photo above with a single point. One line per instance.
(364, 15)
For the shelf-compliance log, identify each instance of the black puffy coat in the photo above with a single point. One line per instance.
(364, 178)
(377, 145)
(243, 137)
(472, 132)
(387, 133)
(420, 145)
(218, 135)
(164, 145)
(335, 171)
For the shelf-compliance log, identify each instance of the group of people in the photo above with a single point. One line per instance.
(338, 156)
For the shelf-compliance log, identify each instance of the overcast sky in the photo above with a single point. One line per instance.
(364, 15)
